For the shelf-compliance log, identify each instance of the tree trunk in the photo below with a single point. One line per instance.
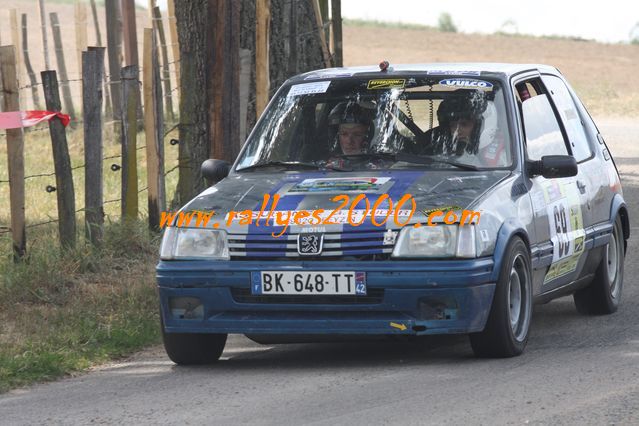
(294, 35)
(293, 29)
(196, 40)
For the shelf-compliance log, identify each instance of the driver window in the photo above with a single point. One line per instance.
(543, 135)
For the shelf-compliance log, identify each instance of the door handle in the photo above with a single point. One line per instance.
(581, 186)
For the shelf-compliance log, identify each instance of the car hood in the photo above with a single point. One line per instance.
(431, 189)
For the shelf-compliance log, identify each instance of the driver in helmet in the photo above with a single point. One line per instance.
(460, 123)
(352, 126)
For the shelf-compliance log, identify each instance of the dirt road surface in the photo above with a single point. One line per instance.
(575, 369)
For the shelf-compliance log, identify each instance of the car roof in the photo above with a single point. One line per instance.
(505, 69)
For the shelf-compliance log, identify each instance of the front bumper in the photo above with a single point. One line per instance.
(417, 297)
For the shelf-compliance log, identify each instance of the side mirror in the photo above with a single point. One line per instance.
(553, 166)
(215, 170)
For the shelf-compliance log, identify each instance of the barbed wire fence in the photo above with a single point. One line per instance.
(162, 72)
(77, 126)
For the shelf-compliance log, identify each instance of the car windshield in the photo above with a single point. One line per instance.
(352, 123)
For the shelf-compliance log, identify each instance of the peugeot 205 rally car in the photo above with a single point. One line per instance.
(406, 200)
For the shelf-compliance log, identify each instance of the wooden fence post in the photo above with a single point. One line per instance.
(130, 38)
(43, 28)
(114, 50)
(175, 45)
(15, 151)
(320, 26)
(336, 16)
(27, 63)
(92, 70)
(262, 84)
(98, 41)
(96, 24)
(323, 7)
(153, 129)
(130, 91)
(130, 41)
(80, 32)
(62, 162)
(166, 74)
(62, 67)
(15, 40)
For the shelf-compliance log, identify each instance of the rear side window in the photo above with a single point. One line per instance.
(570, 117)
(543, 134)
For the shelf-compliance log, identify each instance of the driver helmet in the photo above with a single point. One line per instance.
(349, 113)
(463, 105)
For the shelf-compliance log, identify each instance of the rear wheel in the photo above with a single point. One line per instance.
(508, 324)
(602, 296)
(193, 348)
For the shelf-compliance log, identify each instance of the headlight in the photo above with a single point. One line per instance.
(194, 243)
(436, 241)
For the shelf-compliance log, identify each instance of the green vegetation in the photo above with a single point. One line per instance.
(63, 311)
(446, 24)
(381, 24)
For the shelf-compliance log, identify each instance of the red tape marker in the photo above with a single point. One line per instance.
(19, 119)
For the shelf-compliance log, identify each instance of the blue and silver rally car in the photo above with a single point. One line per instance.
(406, 200)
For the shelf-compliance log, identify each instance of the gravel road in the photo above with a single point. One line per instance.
(575, 370)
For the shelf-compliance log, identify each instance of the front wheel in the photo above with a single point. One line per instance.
(192, 348)
(508, 324)
(602, 296)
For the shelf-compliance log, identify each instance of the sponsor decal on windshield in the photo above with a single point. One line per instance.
(474, 84)
(386, 83)
(309, 88)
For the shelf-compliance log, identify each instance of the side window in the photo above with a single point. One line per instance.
(570, 117)
(543, 134)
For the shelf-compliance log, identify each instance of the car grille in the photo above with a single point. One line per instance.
(357, 245)
(373, 296)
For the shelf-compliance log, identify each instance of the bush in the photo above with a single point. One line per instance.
(446, 23)
(634, 34)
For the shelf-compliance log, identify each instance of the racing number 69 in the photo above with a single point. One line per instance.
(561, 226)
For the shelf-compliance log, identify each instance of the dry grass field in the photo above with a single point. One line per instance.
(601, 74)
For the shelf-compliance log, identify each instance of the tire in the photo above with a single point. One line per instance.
(193, 348)
(508, 325)
(603, 295)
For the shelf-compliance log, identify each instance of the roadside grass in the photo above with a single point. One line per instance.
(62, 311)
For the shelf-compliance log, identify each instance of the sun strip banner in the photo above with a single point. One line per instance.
(19, 119)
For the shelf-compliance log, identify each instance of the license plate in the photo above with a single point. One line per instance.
(309, 282)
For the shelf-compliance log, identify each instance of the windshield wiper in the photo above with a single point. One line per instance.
(417, 159)
(288, 164)
(370, 155)
(292, 165)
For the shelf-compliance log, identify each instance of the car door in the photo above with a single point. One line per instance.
(591, 180)
(560, 218)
